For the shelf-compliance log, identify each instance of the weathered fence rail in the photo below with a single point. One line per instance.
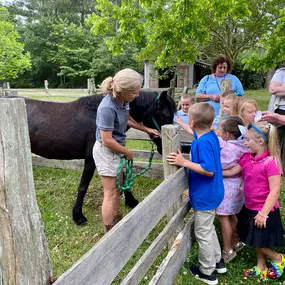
(77, 93)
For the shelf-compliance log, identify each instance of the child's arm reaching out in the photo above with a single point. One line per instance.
(177, 159)
(186, 127)
(274, 186)
(232, 171)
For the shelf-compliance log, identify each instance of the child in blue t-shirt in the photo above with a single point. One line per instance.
(206, 190)
(181, 116)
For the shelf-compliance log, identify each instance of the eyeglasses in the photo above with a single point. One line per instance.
(250, 125)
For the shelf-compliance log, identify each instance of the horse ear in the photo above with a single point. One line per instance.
(163, 95)
(170, 92)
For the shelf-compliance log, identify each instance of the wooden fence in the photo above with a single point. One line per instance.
(156, 169)
(105, 260)
(50, 94)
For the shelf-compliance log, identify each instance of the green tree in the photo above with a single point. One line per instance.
(167, 32)
(13, 60)
(235, 35)
(270, 50)
(62, 48)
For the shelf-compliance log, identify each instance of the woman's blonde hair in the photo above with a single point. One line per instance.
(124, 80)
(240, 104)
(271, 141)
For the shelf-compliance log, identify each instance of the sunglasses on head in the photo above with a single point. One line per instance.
(250, 125)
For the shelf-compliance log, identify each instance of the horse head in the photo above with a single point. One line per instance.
(154, 110)
(162, 114)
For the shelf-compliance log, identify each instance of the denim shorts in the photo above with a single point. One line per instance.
(106, 161)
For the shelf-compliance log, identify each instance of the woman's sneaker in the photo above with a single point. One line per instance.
(220, 267)
(229, 255)
(208, 279)
(276, 269)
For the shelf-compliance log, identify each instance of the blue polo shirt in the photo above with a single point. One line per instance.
(184, 118)
(212, 85)
(206, 193)
(112, 116)
(182, 115)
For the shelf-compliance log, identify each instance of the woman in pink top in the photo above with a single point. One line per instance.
(259, 223)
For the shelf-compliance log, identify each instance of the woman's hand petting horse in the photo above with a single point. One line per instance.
(153, 132)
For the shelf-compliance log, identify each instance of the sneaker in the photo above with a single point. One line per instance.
(229, 255)
(208, 279)
(255, 272)
(220, 267)
(239, 246)
(276, 269)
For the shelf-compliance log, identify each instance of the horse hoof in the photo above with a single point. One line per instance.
(132, 204)
(79, 219)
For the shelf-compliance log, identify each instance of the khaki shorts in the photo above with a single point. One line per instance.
(106, 161)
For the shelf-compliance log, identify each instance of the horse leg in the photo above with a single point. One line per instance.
(88, 171)
(130, 200)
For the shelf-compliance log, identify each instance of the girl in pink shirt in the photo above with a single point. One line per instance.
(259, 223)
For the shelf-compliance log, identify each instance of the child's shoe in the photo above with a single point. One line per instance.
(276, 269)
(220, 267)
(229, 255)
(239, 246)
(255, 272)
(208, 279)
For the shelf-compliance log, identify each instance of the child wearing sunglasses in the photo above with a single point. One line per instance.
(259, 223)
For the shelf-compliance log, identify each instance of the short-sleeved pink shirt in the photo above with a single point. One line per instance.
(255, 172)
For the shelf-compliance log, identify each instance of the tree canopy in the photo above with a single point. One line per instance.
(168, 32)
(270, 51)
(13, 60)
(71, 40)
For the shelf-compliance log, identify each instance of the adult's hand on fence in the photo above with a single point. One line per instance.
(175, 158)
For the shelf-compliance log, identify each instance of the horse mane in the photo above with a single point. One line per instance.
(92, 101)
(147, 100)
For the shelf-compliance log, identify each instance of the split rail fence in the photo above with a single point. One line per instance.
(24, 255)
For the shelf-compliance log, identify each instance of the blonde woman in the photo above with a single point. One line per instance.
(112, 121)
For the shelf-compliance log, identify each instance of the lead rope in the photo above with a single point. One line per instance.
(129, 177)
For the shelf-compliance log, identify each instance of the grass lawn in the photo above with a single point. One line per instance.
(56, 190)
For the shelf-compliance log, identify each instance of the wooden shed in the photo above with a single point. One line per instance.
(189, 74)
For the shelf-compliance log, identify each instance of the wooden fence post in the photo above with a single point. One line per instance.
(171, 142)
(24, 257)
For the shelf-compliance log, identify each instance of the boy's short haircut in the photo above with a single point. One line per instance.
(187, 96)
(228, 92)
(202, 114)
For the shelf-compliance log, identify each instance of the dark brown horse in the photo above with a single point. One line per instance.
(67, 131)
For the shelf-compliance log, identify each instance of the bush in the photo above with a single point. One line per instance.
(250, 79)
